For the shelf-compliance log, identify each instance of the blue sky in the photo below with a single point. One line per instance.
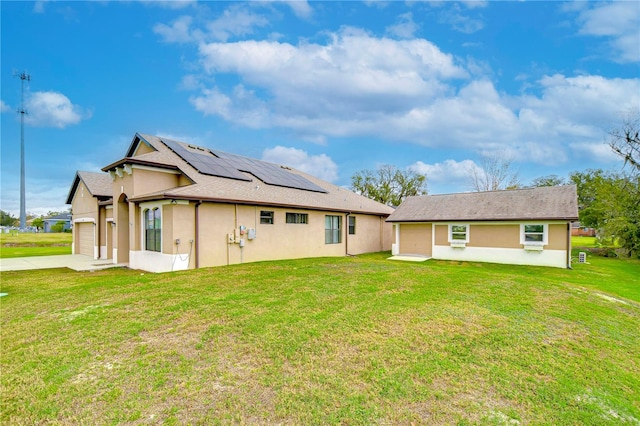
(327, 87)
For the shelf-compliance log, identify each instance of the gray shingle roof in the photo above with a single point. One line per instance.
(220, 189)
(544, 203)
(98, 184)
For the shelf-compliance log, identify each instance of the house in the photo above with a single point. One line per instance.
(168, 205)
(49, 222)
(577, 230)
(525, 226)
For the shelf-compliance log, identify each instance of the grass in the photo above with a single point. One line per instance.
(34, 244)
(584, 241)
(324, 341)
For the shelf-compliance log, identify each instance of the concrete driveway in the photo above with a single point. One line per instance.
(77, 262)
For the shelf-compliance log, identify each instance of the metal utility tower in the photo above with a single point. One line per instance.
(23, 209)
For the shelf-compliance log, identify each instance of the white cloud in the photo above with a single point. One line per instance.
(405, 26)
(350, 76)
(348, 87)
(4, 107)
(461, 21)
(38, 6)
(170, 4)
(177, 32)
(620, 22)
(448, 171)
(320, 166)
(235, 21)
(301, 8)
(52, 109)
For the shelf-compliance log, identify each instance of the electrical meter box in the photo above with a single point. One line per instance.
(251, 234)
(241, 242)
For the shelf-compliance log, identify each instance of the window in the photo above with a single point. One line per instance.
(266, 217)
(352, 225)
(152, 229)
(534, 234)
(297, 218)
(458, 233)
(332, 225)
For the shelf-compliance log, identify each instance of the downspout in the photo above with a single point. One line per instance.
(197, 232)
(346, 235)
(569, 245)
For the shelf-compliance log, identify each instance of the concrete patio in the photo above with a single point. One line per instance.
(77, 262)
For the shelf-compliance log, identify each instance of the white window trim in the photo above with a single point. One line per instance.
(458, 243)
(535, 245)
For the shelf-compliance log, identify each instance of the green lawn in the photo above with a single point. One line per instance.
(34, 244)
(324, 341)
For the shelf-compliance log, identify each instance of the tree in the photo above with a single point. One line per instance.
(388, 184)
(58, 227)
(6, 219)
(551, 180)
(494, 173)
(38, 222)
(625, 140)
(610, 202)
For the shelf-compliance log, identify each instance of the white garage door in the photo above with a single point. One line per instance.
(85, 238)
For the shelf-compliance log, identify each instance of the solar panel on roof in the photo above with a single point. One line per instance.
(270, 173)
(205, 162)
(223, 164)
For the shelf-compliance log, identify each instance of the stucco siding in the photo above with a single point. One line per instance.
(496, 236)
(372, 234)
(84, 204)
(558, 237)
(148, 181)
(415, 239)
(441, 237)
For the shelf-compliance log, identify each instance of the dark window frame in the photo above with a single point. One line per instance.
(153, 229)
(266, 217)
(297, 218)
(352, 225)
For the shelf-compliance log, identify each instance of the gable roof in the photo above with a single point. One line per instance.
(289, 187)
(98, 184)
(543, 203)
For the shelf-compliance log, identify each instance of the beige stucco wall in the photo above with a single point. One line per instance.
(84, 205)
(503, 236)
(558, 239)
(279, 240)
(148, 181)
(143, 148)
(372, 234)
(495, 235)
(415, 239)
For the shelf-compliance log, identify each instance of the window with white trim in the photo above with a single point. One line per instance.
(534, 234)
(153, 229)
(458, 233)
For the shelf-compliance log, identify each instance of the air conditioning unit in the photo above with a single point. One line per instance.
(582, 257)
